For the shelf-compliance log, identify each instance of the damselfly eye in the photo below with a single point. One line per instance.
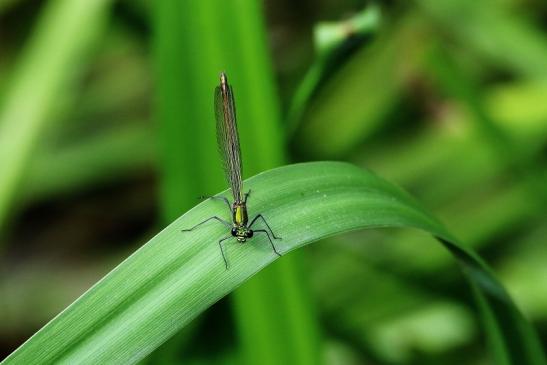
(234, 231)
(249, 233)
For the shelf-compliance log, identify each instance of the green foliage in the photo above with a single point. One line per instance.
(175, 276)
(62, 38)
(101, 105)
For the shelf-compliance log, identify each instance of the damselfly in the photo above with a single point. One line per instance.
(228, 145)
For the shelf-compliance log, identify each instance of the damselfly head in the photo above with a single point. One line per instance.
(242, 233)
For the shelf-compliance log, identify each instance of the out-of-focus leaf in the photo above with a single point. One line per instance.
(64, 34)
(334, 42)
(494, 30)
(353, 102)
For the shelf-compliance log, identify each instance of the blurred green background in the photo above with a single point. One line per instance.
(107, 134)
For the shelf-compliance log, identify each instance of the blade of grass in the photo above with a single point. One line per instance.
(186, 66)
(195, 41)
(274, 311)
(175, 276)
(64, 34)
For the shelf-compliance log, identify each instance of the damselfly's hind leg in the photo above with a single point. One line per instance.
(266, 223)
(269, 239)
(226, 223)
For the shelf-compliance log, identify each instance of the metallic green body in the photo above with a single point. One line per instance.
(240, 220)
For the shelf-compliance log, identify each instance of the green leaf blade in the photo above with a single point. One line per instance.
(176, 275)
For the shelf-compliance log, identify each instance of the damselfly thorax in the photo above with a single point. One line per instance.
(240, 220)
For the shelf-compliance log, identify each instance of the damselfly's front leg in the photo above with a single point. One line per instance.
(226, 223)
(266, 223)
(222, 250)
(270, 239)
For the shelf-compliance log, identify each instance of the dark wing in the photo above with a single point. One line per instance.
(228, 138)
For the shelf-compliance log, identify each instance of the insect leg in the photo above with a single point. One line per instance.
(226, 223)
(270, 239)
(267, 225)
(247, 194)
(222, 250)
(221, 198)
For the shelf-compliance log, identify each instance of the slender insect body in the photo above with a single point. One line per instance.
(228, 143)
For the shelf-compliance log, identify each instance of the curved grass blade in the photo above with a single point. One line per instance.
(174, 277)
